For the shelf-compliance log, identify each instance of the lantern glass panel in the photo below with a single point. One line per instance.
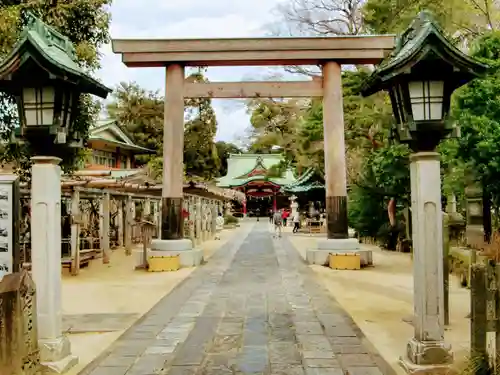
(38, 104)
(426, 100)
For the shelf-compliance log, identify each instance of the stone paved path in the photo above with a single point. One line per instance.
(254, 308)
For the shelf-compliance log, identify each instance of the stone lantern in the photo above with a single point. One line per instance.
(420, 77)
(43, 75)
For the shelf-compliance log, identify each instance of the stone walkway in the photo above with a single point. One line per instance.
(254, 308)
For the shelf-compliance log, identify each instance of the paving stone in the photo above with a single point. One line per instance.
(308, 328)
(286, 369)
(318, 354)
(283, 352)
(148, 364)
(321, 362)
(364, 371)
(255, 308)
(109, 371)
(355, 360)
(224, 343)
(114, 360)
(314, 343)
(182, 370)
(349, 349)
(324, 371)
(229, 328)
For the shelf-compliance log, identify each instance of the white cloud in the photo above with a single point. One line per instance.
(188, 19)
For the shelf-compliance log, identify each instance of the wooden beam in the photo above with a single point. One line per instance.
(228, 90)
(253, 44)
(254, 51)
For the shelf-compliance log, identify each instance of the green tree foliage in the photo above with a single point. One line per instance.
(140, 113)
(86, 24)
(477, 109)
(465, 19)
(225, 149)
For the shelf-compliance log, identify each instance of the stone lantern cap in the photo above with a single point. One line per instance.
(41, 46)
(423, 40)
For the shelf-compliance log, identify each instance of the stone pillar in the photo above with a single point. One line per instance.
(335, 165)
(427, 350)
(55, 349)
(128, 212)
(119, 219)
(172, 240)
(75, 232)
(104, 227)
(335, 174)
(173, 148)
(198, 220)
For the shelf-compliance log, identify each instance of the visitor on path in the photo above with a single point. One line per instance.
(277, 224)
(284, 216)
(271, 216)
(296, 222)
(257, 213)
(219, 225)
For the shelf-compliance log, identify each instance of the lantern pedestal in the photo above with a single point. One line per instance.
(426, 350)
(188, 256)
(55, 349)
(320, 255)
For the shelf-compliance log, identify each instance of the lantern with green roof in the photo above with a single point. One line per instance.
(43, 74)
(420, 76)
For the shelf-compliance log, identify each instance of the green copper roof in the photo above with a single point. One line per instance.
(423, 39)
(42, 45)
(241, 166)
(309, 180)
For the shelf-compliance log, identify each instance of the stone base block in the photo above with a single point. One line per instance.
(320, 255)
(427, 358)
(55, 355)
(171, 245)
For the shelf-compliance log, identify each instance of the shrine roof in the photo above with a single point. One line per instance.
(310, 180)
(245, 168)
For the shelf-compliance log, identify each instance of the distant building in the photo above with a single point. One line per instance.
(111, 148)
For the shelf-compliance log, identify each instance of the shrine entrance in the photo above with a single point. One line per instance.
(328, 52)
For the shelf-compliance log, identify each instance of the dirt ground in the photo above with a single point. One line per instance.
(116, 290)
(379, 298)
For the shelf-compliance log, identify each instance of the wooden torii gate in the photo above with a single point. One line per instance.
(329, 53)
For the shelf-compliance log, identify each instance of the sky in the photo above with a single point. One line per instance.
(190, 19)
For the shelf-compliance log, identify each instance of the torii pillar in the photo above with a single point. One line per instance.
(335, 174)
(172, 239)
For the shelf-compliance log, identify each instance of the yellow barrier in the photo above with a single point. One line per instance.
(164, 263)
(345, 261)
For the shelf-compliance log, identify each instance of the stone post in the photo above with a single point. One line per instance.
(128, 225)
(104, 228)
(120, 222)
(427, 350)
(75, 232)
(172, 240)
(55, 349)
(335, 174)
(199, 217)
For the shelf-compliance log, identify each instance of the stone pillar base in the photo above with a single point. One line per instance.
(428, 357)
(188, 256)
(55, 355)
(320, 255)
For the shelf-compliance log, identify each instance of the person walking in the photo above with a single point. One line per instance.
(277, 224)
(284, 216)
(296, 222)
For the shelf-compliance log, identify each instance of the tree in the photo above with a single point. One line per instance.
(465, 19)
(477, 110)
(225, 149)
(86, 24)
(140, 112)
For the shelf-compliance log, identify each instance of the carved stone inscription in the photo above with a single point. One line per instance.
(18, 336)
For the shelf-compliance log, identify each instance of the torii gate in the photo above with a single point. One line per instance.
(328, 52)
